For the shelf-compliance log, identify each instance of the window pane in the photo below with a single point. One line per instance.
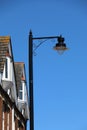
(20, 88)
(6, 69)
(20, 95)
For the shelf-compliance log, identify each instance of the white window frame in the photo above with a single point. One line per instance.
(7, 74)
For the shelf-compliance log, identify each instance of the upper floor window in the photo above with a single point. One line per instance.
(6, 68)
(21, 92)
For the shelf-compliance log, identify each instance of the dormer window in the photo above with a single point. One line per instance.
(6, 68)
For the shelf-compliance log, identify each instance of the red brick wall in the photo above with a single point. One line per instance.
(16, 123)
(5, 120)
(1, 104)
(20, 125)
(10, 119)
(4, 108)
(23, 128)
(7, 116)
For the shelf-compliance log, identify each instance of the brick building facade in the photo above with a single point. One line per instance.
(14, 108)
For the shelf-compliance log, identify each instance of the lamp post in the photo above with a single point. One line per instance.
(60, 46)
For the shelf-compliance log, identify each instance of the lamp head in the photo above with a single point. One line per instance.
(60, 46)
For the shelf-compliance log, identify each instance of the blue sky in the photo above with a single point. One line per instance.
(60, 81)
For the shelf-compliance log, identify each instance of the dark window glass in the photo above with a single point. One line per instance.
(6, 69)
(20, 95)
(20, 88)
(21, 92)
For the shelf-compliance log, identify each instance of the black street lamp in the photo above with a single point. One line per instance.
(60, 46)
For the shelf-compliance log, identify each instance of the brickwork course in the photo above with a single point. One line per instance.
(6, 106)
